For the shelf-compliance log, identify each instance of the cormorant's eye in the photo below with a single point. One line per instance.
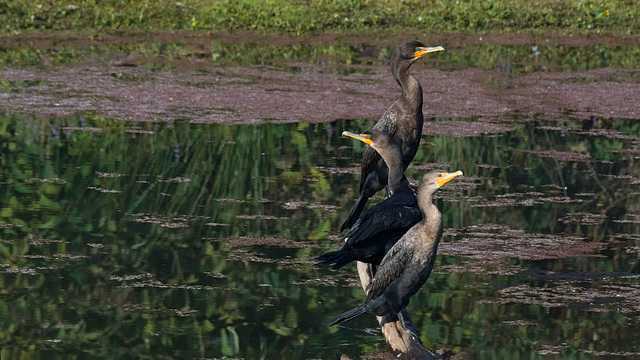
(417, 49)
(368, 136)
(439, 175)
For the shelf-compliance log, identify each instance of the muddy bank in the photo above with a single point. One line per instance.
(235, 95)
(199, 90)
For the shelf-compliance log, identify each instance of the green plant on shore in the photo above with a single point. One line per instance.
(311, 16)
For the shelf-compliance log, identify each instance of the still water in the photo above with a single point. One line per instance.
(177, 240)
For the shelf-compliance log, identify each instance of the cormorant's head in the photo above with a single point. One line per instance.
(436, 178)
(376, 139)
(415, 50)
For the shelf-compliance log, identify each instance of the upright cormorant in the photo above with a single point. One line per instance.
(403, 120)
(378, 229)
(408, 264)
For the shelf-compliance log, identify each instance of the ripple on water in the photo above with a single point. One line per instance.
(582, 218)
(523, 199)
(159, 310)
(560, 155)
(47, 180)
(266, 241)
(167, 221)
(293, 205)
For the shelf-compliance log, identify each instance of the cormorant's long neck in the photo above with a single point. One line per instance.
(392, 156)
(431, 216)
(411, 89)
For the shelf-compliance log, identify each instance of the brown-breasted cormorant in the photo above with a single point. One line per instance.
(378, 229)
(403, 120)
(408, 264)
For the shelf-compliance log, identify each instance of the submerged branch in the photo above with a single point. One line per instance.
(406, 341)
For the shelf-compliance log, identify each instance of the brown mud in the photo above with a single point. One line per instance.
(201, 91)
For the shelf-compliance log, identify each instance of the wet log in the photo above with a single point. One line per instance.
(405, 341)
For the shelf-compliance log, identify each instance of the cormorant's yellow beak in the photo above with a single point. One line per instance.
(444, 178)
(365, 138)
(422, 51)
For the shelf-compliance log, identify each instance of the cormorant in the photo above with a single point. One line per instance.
(378, 229)
(408, 264)
(403, 120)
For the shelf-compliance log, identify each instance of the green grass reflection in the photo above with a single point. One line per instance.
(173, 240)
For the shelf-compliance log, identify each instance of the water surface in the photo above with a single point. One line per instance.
(179, 240)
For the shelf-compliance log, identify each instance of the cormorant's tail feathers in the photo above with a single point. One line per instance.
(346, 316)
(339, 258)
(355, 212)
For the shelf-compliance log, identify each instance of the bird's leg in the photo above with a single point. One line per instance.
(405, 320)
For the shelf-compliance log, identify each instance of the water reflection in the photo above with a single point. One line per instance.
(185, 240)
(340, 55)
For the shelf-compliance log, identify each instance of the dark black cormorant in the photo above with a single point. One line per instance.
(409, 262)
(403, 120)
(378, 229)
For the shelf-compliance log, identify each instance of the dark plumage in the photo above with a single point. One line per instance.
(403, 120)
(378, 229)
(408, 264)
